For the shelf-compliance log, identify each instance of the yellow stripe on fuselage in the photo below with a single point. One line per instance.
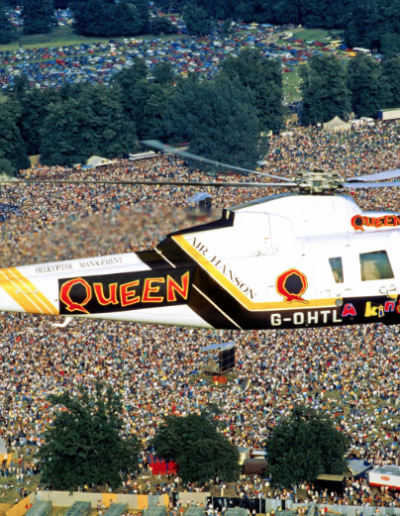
(24, 293)
(237, 293)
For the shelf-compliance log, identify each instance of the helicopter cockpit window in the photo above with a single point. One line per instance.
(337, 269)
(375, 266)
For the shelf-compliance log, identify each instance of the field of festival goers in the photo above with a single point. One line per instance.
(352, 374)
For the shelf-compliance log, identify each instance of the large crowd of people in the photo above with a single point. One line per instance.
(351, 373)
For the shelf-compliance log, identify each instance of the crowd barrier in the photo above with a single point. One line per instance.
(197, 498)
(134, 502)
(260, 505)
(22, 507)
(264, 505)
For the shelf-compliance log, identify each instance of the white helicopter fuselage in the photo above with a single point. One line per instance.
(286, 261)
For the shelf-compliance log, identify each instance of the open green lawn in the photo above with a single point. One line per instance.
(291, 83)
(58, 37)
(318, 34)
(30, 484)
(63, 36)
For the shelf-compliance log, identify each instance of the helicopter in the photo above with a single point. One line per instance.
(306, 259)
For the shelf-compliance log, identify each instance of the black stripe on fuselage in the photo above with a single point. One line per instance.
(170, 252)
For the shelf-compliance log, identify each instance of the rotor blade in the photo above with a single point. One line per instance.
(389, 174)
(161, 146)
(149, 183)
(371, 185)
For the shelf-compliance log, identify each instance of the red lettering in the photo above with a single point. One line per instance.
(71, 305)
(389, 306)
(173, 286)
(389, 221)
(348, 309)
(357, 222)
(101, 298)
(379, 222)
(148, 289)
(128, 296)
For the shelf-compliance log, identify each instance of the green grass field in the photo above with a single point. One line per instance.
(30, 484)
(318, 34)
(291, 83)
(63, 36)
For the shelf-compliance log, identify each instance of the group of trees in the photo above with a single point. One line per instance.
(222, 119)
(109, 18)
(373, 24)
(330, 88)
(87, 445)
(105, 18)
(225, 119)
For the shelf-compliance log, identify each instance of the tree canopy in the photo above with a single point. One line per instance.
(13, 156)
(108, 18)
(324, 89)
(8, 32)
(372, 24)
(200, 451)
(85, 443)
(304, 445)
(264, 77)
(219, 119)
(90, 122)
(38, 16)
(197, 20)
(369, 89)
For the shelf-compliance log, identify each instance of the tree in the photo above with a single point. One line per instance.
(92, 122)
(13, 155)
(200, 451)
(324, 89)
(166, 6)
(162, 25)
(163, 73)
(264, 77)
(391, 75)
(219, 119)
(85, 444)
(128, 77)
(35, 105)
(8, 32)
(38, 16)
(146, 105)
(61, 4)
(305, 445)
(197, 20)
(390, 45)
(107, 18)
(143, 102)
(369, 89)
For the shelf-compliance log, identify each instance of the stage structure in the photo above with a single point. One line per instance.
(221, 360)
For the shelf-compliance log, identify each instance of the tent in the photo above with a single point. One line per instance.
(358, 467)
(96, 161)
(385, 476)
(335, 125)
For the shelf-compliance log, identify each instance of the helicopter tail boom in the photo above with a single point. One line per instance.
(129, 287)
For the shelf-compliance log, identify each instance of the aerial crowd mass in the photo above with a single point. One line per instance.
(353, 374)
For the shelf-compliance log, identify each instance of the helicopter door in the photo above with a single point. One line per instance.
(335, 277)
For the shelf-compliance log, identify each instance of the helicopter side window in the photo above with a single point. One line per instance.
(337, 269)
(375, 266)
